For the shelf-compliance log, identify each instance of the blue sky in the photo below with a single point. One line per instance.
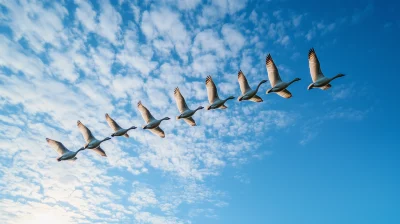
(319, 157)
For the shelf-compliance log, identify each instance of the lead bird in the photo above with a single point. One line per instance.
(91, 142)
(213, 98)
(118, 131)
(64, 153)
(186, 113)
(247, 92)
(278, 86)
(318, 78)
(152, 124)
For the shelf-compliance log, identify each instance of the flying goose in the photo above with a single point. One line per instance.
(64, 153)
(213, 99)
(318, 78)
(118, 131)
(91, 141)
(152, 123)
(247, 92)
(186, 113)
(277, 85)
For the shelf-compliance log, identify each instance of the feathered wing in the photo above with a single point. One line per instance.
(223, 106)
(57, 146)
(315, 68)
(256, 99)
(284, 93)
(86, 133)
(147, 117)
(100, 151)
(190, 121)
(113, 125)
(211, 90)
(180, 101)
(244, 85)
(327, 86)
(158, 131)
(273, 74)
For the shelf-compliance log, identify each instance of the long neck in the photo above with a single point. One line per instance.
(336, 76)
(104, 140)
(199, 108)
(294, 80)
(229, 98)
(259, 84)
(133, 127)
(164, 119)
(79, 150)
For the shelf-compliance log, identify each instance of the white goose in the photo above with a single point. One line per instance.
(247, 92)
(64, 153)
(118, 131)
(277, 85)
(186, 113)
(152, 123)
(91, 141)
(318, 78)
(213, 99)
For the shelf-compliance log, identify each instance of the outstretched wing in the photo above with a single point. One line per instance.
(57, 146)
(273, 74)
(284, 93)
(256, 99)
(147, 117)
(211, 90)
(113, 125)
(244, 85)
(100, 151)
(190, 121)
(87, 134)
(158, 131)
(315, 69)
(325, 87)
(180, 101)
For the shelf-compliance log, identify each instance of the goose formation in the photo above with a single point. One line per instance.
(215, 102)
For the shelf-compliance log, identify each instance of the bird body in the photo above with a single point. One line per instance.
(64, 153)
(277, 85)
(118, 131)
(91, 141)
(247, 92)
(151, 123)
(318, 78)
(213, 98)
(186, 112)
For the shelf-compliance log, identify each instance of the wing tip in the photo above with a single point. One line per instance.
(48, 140)
(268, 59)
(176, 90)
(139, 103)
(208, 79)
(78, 122)
(311, 52)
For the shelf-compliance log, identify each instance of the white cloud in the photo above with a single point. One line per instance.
(233, 37)
(109, 22)
(86, 15)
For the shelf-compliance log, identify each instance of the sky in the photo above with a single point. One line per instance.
(318, 157)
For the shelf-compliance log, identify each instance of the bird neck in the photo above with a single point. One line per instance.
(164, 119)
(259, 84)
(335, 77)
(294, 80)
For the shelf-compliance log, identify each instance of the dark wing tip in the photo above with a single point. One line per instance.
(78, 122)
(311, 52)
(48, 140)
(208, 79)
(269, 59)
(176, 90)
(107, 115)
(139, 103)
